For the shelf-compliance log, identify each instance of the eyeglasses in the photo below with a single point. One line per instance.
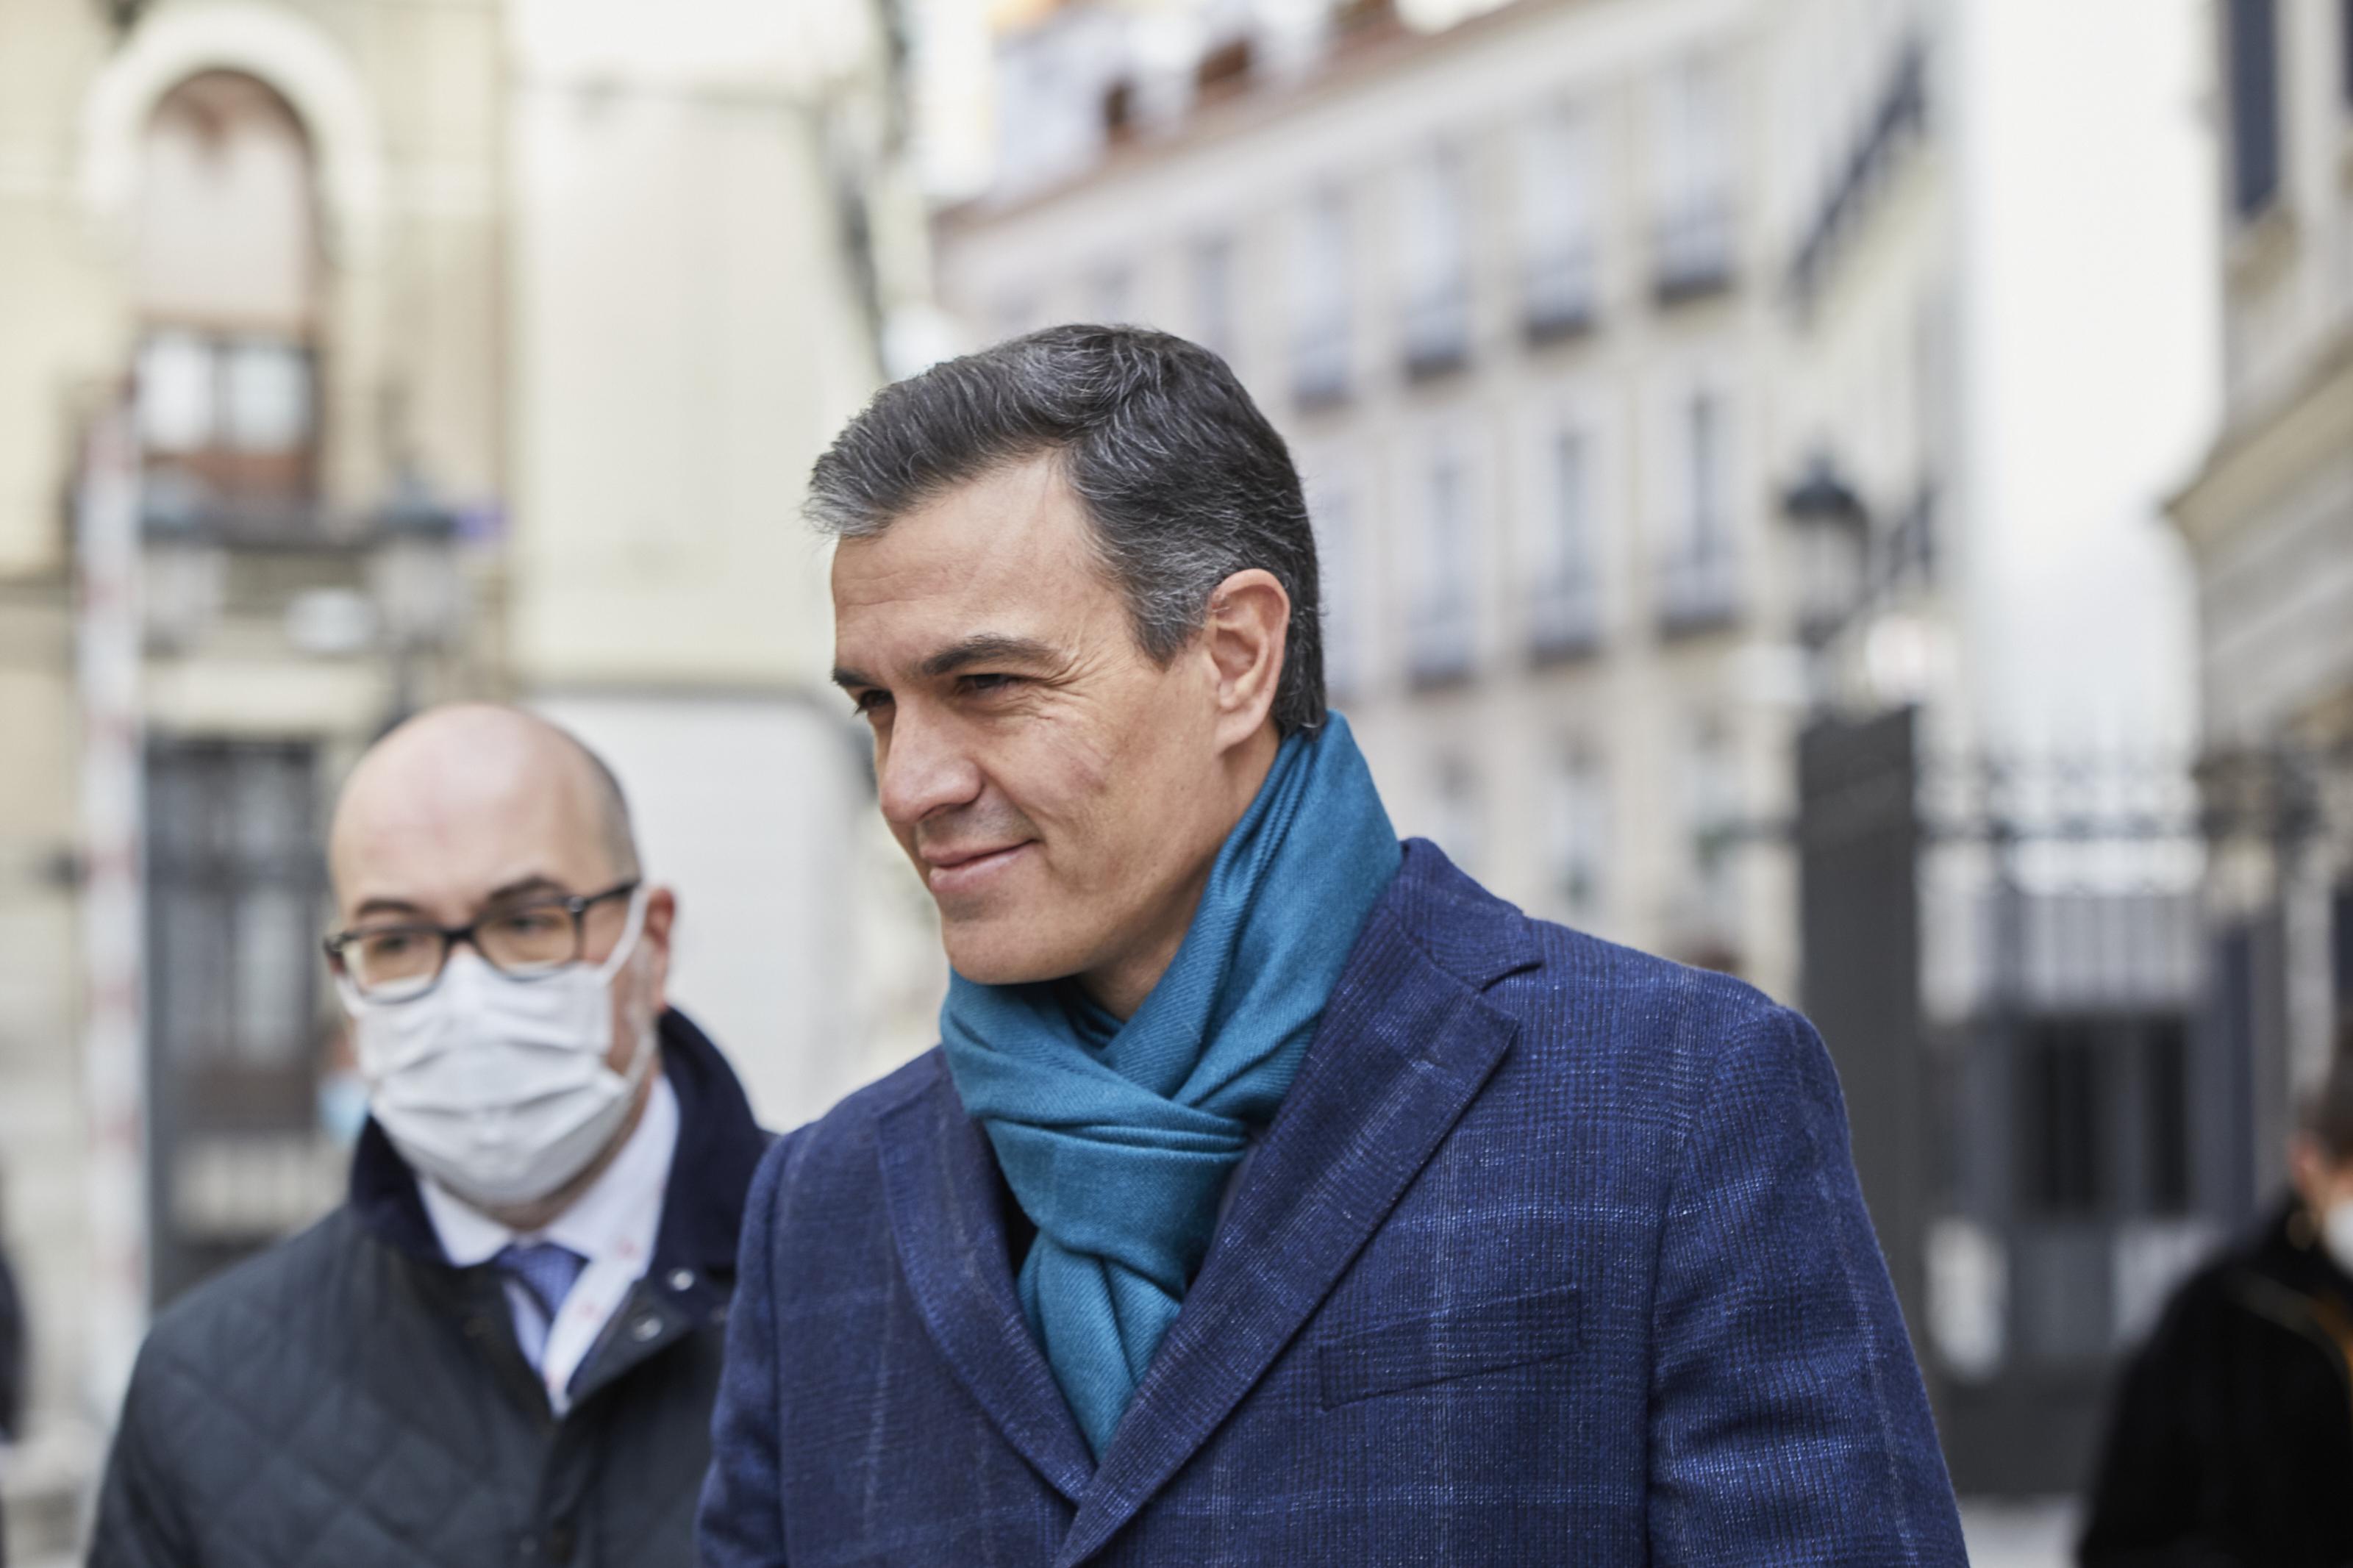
(528, 940)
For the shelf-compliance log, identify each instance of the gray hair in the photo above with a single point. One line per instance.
(1183, 478)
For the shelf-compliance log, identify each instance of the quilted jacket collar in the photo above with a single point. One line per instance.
(703, 1210)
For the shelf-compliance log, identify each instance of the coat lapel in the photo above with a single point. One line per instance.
(942, 1189)
(1404, 1047)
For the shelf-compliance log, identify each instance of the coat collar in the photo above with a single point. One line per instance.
(941, 1184)
(701, 1211)
(1404, 1043)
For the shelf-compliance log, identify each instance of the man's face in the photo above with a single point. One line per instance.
(1061, 795)
(473, 814)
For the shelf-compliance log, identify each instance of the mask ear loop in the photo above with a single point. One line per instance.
(627, 948)
(624, 952)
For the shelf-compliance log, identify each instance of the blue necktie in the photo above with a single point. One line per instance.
(547, 1271)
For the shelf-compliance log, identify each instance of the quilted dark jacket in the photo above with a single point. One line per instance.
(348, 1399)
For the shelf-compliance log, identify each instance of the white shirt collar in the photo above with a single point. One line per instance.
(617, 1218)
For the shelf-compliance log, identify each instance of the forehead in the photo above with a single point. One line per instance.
(1009, 552)
(442, 832)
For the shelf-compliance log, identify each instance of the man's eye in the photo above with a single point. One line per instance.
(871, 701)
(983, 684)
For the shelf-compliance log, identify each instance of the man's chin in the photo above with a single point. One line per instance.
(991, 953)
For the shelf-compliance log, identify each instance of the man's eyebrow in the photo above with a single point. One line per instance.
(982, 647)
(521, 888)
(525, 886)
(986, 647)
(385, 906)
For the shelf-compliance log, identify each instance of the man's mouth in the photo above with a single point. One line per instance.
(953, 871)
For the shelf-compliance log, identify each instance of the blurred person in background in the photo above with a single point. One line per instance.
(1278, 1194)
(504, 1346)
(2232, 1444)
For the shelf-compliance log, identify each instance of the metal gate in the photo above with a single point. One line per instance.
(2008, 960)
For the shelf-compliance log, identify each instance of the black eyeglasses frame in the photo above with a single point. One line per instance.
(575, 905)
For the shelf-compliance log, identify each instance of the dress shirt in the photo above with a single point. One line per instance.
(613, 1225)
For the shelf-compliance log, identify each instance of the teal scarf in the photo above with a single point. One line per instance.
(1117, 1138)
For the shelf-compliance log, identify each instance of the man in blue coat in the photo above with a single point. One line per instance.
(1276, 1195)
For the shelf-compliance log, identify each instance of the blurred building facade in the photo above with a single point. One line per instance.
(354, 355)
(1504, 288)
(1997, 365)
(2269, 519)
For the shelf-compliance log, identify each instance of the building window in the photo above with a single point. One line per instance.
(1692, 240)
(2254, 56)
(2340, 929)
(2344, 49)
(1214, 326)
(1698, 586)
(236, 899)
(1437, 250)
(1564, 596)
(1708, 916)
(225, 396)
(1321, 304)
(1119, 118)
(2103, 1117)
(1223, 72)
(1559, 276)
(1577, 834)
(2064, 1124)
(228, 278)
(2164, 1050)
(1439, 576)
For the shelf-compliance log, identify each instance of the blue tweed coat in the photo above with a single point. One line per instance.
(1553, 1255)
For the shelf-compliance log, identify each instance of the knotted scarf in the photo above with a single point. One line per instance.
(1118, 1140)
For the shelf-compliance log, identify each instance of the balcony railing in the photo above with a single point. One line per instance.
(1564, 618)
(1437, 330)
(1899, 121)
(383, 581)
(1439, 643)
(1692, 251)
(1320, 368)
(1698, 590)
(1561, 290)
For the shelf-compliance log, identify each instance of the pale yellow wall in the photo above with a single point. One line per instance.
(54, 314)
(682, 357)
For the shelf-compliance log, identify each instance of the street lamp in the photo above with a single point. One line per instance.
(414, 580)
(1833, 533)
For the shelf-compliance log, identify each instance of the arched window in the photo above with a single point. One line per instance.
(229, 285)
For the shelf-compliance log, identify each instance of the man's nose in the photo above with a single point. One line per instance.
(923, 768)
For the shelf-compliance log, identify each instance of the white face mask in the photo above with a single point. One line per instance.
(495, 1087)
(2337, 1234)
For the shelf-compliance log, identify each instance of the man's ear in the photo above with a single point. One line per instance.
(661, 918)
(1245, 634)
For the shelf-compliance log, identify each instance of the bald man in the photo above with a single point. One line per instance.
(504, 1347)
